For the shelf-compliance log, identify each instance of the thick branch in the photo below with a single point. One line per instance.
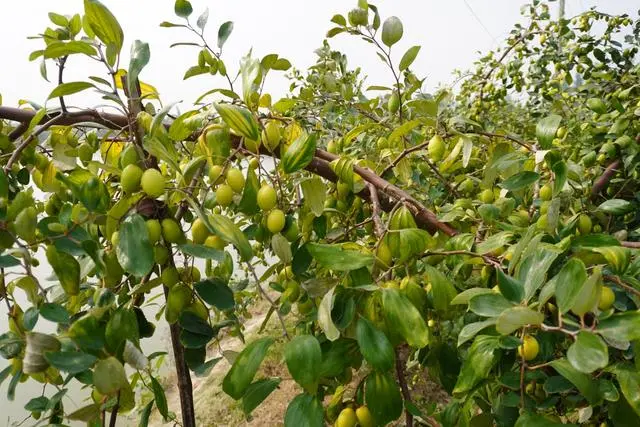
(603, 181)
(389, 193)
(404, 388)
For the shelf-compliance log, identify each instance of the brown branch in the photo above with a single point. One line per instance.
(319, 165)
(61, 63)
(375, 202)
(509, 138)
(18, 131)
(619, 282)
(402, 155)
(404, 388)
(632, 245)
(602, 182)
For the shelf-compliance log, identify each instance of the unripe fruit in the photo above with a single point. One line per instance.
(154, 229)
(254, 163)
(486, 196)
(267, 197)
(214, 173)
(392, 31)
(292, 291)
(347, 418)
(607, 298)
(251, 145)
(292, 231)
(170, 276)
(235, 179)
(171, 231)
(436, 148)
(215, 242)
(189, 274)
(178, 299)
(199, 231)
(542, 222)
(383, 255)
(152, 183)
(332, 147)
(130, 179)
(546, 193)
(25, 224)
(357, 16)
(129, 156)
(394, 103)
(275, 221)
(224, 195)
(160, 254)
(305, 307)
(584, 224)
(271, 135)
(561, 132)
(529, 349)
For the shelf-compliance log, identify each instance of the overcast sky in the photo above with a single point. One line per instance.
(451, 33)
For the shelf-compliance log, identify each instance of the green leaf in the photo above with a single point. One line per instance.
(442, 289)
(560, 171)
(589, 293)
(629, 380)
(533, 268)
(224, 32)
(374, 346)
(383, 397)
(134, 251)
(408, 57)
(514, 318)
(72, 362)
(59, 49)
(480, 360)
(489, 304)
(304, 411)
(583, 382)
(588, 353)
(202, 251)
(139, 59)
(300, 153)
(617, 257)
(249, 201)
(104, 25)
(215, 292)
(304, 358)
(471, 330)
(228, 231)
(535, 420)
(161, 399)
(335, 257)
(87, 333)
(621, 326)
(520, 180)
(257, 392)
(281, 248)
(183, 8)
(546, 130)
(510, 288)
(616, 206)
(87, 413)
(54, 313)
(403, 317)
(315, 194)
(239, 119)
(38, 404)
(324, 316)
(122, 326)
(244, 368)
(568, 282)
(10, 345)
(202, 19)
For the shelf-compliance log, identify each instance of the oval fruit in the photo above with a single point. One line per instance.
(276, 221)
(394, 103)
(25, 223)
(529, 348)
(224, 195)
(154, 229)
(364, 417)
(215, 242)
(357, 16)
(214, 173)
(271, 135)
(171, 231)
(607, 298)
(347, 418)
(267, 198)
(584, 224)
(199, 231)
(392, 31)
(130, 179)
(486, 196)
(436, 148)
(546, 193)
(170, 276)
(235, 180)
(152, 183)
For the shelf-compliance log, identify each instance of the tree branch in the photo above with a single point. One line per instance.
(402, 380)
(602, 182)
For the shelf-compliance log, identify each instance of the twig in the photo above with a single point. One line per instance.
(61, 63)
(633, 245)
(402, 380)
(402, 155)
(603, 181)
(114, 413)
(269, 300)
(619, 282)
(528, 146)
(375, 215)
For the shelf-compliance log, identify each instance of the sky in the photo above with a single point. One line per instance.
(451, 33)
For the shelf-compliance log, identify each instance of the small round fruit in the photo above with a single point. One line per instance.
(332, 147)
(276, 221)
(152, 183)
(271, 135)
(267, 198)
(347, 418)
(154, 229)
(305, 307)
(486, 196)
(357, 16)
(393, 105)
(436, 148)
(584, 224)
(214, 173)
(235, 179)
(128, 156)
(215, 242)
(529, 349)
(254, 163)
(607, 298)
(170, 276)
(292, 291)
(546, 193)
(171, 231)
(160, 254)
(292, 232)
(224, 195)
(130, 179)
(189, 274)
(199, 231)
